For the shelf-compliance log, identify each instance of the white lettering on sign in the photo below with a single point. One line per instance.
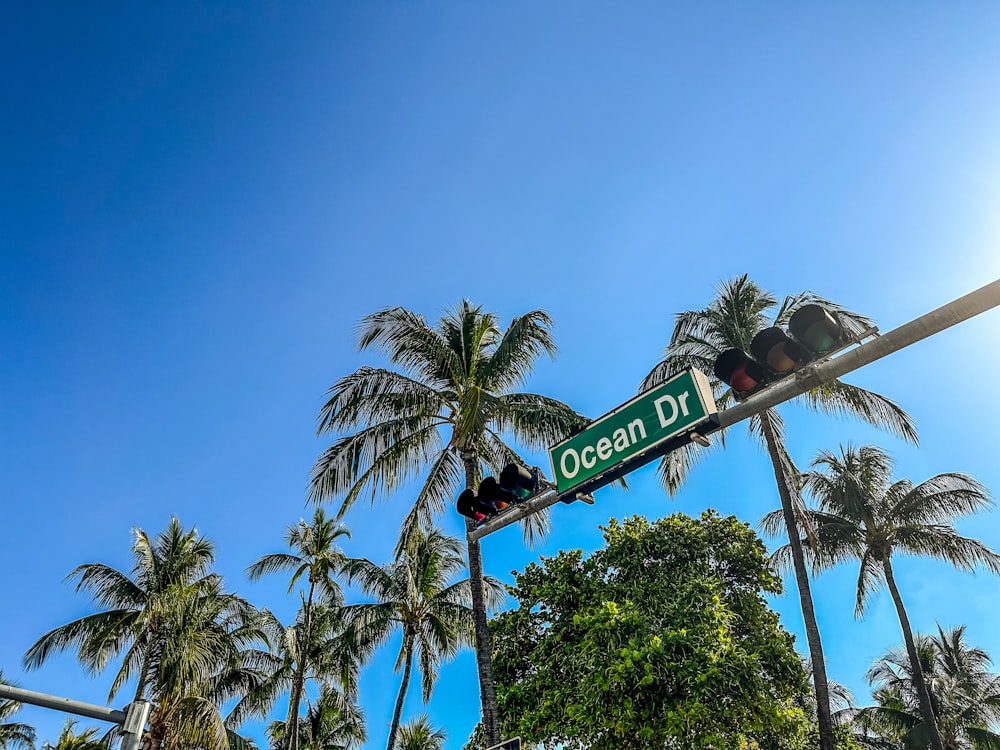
(604, 449)
(576, 464)
(667, 421)
(571, 460)
(636, 423)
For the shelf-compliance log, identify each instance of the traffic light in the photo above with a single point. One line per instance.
(516, 484)
(817, 328)
(813, 331)
(469, 506)
(737, 369)
(520, 482)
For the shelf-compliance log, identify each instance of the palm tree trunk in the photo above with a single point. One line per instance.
(398, 710)
(923, 695)
(826, 737)
(484, 656)
(299, 678)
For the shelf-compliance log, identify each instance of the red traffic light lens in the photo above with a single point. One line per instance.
(735, 368)
(741, 381)
(467, 506)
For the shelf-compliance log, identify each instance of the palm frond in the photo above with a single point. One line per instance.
(527, 337)
(940, 499)
(945, 543)
(840, 399)
(410, 343)
(380, 458)
(537, 422)
(440, 488)
(278, 562)
(371, 395)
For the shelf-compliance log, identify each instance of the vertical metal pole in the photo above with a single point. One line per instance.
(134, 724)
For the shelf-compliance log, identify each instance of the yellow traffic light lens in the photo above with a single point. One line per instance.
(778, 359)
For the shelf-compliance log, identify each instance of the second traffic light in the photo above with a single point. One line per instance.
(813, 332)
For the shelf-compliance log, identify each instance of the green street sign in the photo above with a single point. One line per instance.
(635, 433)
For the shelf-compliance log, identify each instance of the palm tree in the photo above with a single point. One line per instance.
(865, 515)
(176, 558)
(731, 321)
(316, 556)
(186, 642)
(13, 735)
(324, 651)
(418, 734)
(70, 740)
(206, 655)
(414, 595)
(965, 694)
(446, 411)
(333, 722)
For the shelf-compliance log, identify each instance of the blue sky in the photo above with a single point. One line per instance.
(200, 201)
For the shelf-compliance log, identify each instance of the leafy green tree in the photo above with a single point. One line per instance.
(730, 321)
(186, 642)
(69, 740)
(419, 734)
(415, 595)
(333, 722)
(13, 735)
(964, 692)
(865, 515)
(445, 411)
(660, 639)
(316, 556)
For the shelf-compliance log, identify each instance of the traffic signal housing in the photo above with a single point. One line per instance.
(813, 332)
(515, 485)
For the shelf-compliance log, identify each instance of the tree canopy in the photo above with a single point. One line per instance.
(661, 639)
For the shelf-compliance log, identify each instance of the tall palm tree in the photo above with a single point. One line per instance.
(445, 410)
(316, 556)
(419, 734)
(333, 722)
(13, 735)
(965, 694)
(730, 321)
(415, 595)
(865, 515)
(185, 641)
(70, 740)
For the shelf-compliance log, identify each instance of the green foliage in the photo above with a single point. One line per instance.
(69, 740)
(419, 734)
(660, 639)
(185, 641)
(965, 694)
(333, 722)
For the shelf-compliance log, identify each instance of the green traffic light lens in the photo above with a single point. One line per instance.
(816, 327)
(818, 338)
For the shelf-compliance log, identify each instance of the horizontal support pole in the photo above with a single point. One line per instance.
(515, 514)
(90, 710)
